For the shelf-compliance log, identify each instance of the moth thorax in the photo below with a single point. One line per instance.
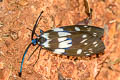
(41, 40)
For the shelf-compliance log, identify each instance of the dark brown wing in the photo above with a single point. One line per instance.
(74, 40)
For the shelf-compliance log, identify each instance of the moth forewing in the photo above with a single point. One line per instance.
(75, 40)
(95, 31)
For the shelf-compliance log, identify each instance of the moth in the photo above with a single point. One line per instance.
(73, 40)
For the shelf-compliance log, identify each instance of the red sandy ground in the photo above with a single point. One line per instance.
(18, 15)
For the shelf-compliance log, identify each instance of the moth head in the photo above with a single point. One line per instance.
(41, 40)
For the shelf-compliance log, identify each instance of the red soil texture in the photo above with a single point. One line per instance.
(18, 15)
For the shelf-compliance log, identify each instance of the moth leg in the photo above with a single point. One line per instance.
(31, 30)
(38, 56)
(97, 55)
(86, 21)
(68, 57)
(76, 58)
(102, 53)
(32, 53)
(60, 76)
(41, 31)
(88, 11)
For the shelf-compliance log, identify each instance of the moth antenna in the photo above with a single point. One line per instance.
(34, 28)
(29, 29)
(20, 73)
(33, 53)
(38, 57)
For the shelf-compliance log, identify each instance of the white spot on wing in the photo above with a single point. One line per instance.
(89, 29)
(45, 35)
(90, 49)
(77, 28)
(83, 40)
(85, 43)
(94, 34)
(62, 39)
(46, 43)
(39, 43)
(58, 29)
(84, 36)
(79, 51)
(96, 45)
(59, 51)
(85, 26)
(95, 42)
(63, 34)
(65, 44)
(87, 54)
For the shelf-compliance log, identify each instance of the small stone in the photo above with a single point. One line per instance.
(33, 8)
(22, 2)
(1, 65)
(1, 53)
(13, 35)
(1, 24)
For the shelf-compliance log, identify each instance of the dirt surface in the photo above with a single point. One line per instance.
(18, 15)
